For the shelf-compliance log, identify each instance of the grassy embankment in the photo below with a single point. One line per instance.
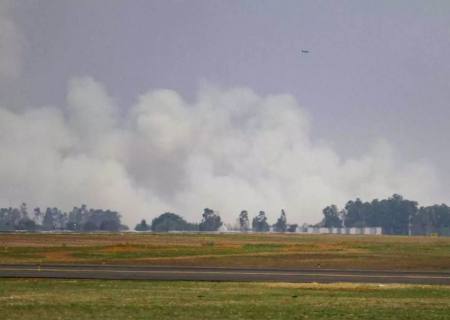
(239, 250)
(86, 299)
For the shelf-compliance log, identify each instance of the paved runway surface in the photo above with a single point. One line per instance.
(123, 272)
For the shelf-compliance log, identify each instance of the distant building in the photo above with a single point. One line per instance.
(321, 230)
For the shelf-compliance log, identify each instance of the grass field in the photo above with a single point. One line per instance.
(87, 299)
(239, 250)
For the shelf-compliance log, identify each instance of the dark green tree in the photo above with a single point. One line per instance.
(281, 224)
(432, 219)
(394, 214)
(210, 221)
(171, 222)
(101, 220)
(142, 226)
(76, 217)
(26, 224)
(331, 217)
(49, 221)
(259, 223)
(244, 224)
(357, 213)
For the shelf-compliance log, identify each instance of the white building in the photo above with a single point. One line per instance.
(321, 230)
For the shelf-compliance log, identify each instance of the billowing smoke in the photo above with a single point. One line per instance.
(228, 150)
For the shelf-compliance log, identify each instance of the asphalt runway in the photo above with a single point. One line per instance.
(124, 272)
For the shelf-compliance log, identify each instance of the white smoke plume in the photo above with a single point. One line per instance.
(229, 150)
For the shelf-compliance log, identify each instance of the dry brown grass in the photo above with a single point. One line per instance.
(234, 250)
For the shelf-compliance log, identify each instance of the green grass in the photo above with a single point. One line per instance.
(238, 250)
(87, 299)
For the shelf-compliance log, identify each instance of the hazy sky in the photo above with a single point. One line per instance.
(366, 112)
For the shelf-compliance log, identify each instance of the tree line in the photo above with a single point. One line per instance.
(394, 215)
(53, 219)
(211, 221)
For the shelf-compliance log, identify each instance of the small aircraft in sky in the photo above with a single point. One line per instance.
(305, 51)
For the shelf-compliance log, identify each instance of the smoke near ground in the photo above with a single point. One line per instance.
(230, 149)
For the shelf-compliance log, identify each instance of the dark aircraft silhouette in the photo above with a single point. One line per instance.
(305, 51)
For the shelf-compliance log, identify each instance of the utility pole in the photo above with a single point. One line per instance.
(410, 225)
